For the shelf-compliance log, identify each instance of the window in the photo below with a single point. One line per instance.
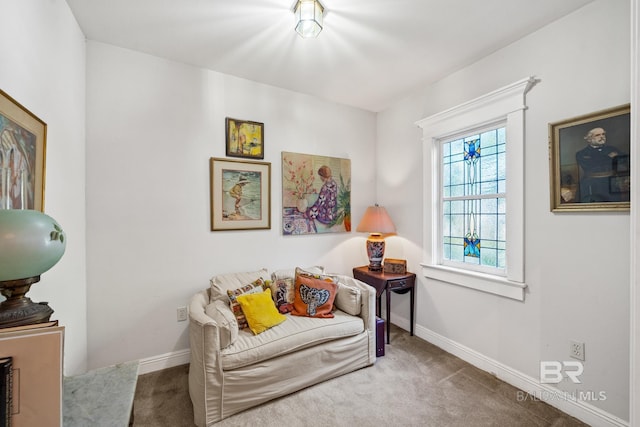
(473, 197)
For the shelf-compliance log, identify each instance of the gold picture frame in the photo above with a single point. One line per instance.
(244, 138)
(23, 138)
(240, 195)
(589, 161)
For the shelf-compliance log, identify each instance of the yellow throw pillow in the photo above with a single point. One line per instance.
(256, 286)
(260, 311)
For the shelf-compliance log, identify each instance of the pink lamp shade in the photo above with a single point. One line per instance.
(377, 222)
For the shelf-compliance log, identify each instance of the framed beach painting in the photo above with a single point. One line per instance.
(316, 194)
(22, 156)
(244, 138)
(240, 195)
(589, 161)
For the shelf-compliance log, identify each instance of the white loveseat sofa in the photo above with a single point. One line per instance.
(232, 370)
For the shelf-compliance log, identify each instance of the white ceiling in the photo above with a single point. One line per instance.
(370, 53)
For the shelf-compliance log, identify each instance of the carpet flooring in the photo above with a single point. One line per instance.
(414, 384)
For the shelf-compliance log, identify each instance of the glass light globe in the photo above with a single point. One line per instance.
(31, 242)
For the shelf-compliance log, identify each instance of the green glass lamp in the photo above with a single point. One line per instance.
(30, 244)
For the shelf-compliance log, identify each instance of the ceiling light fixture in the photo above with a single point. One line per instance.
(308, 15)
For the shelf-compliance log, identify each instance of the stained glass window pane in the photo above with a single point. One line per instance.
(446, 151)
(457, 225)
(457, 252)
(502, 135)
(457, 147)
(446, 250)
(489, 206)
(502, 162)
(489, 168)
(489, 187)
(457, 173)
(473, 187)
(489, 227)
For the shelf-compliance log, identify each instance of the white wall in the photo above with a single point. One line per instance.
(153, 124)
(152, 127)
(577, 264)
(42, 66)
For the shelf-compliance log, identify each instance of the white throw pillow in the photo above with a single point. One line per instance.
(222, 283)
(290, 273)
(348, 299)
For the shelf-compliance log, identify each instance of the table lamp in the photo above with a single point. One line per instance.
(377, 222)
(30, 244)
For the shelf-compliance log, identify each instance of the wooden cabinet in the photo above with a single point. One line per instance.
(37, 354)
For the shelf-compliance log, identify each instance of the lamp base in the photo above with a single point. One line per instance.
(19, 310)
(375, 251)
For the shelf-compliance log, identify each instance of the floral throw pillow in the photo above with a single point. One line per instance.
(282, 291)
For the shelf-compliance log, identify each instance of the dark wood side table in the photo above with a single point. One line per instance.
(381, 281)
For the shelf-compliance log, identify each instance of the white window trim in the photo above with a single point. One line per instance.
(507, 103)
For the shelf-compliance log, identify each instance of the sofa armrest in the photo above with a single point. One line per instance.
(367, 309)
(204, 334)
(197, 307)
(205, 367)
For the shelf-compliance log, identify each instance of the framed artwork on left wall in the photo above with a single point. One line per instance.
(240, 195)
(244, 138)
(22, 156)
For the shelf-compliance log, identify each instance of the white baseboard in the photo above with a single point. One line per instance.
(164, 361)
(581, 410)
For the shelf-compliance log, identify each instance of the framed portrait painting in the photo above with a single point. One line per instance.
(316, 194)
(589, 161)
(240, 195)
(22, 156)
(244, 138)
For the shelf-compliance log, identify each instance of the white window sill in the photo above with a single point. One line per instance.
(474, 280)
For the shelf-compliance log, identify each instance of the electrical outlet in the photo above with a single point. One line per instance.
(576, 350)
(182, 314)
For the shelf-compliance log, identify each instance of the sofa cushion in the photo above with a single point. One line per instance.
(290, 336)
(282, 291)
(313, 297)
(348, 299)
(260, 311)
(251, 288)
(220, 284)
(227, 323)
